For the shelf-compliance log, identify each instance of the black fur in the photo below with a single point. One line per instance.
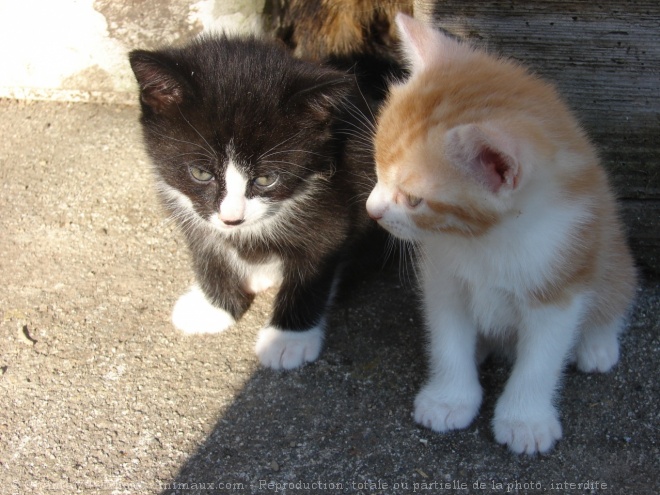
(198, 99)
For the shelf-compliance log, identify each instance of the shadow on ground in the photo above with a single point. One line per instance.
(344, 425)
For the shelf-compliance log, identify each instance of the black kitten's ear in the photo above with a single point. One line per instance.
(323, 94)
(160, 89)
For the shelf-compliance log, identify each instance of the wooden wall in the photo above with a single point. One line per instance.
(604, 57)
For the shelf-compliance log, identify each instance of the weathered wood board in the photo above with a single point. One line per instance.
(604, 57)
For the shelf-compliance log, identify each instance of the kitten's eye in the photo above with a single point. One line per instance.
(200, 174)
(265, 180)
(413, 201)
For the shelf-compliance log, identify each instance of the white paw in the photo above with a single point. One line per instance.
(193, 314)
(436, 410)
(598, 354)
(286, 349)
(527, 435)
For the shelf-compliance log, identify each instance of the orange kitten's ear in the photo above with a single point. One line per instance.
(485, 154)
(422, 45)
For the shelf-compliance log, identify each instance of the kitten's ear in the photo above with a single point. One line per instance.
(160, 89)
(484, 153)
(421, 44)
(321, 95)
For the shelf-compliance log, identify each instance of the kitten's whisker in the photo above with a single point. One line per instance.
(405, 261)
(293, 151)
(198, 160)
(406, 252)
(295, 165)
(402, 262)
(165, 136)
(359, 129)
(288, 172)
(359, 139)
(412, 254)
(265, 153)
(389, 249)
(289, 163)
(357, 85)
(354, 133)
(355, 126)
(210, 148)
(193, 153)
(355, 111)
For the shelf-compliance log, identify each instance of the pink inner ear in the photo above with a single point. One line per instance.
(496, 169)
(486, 154)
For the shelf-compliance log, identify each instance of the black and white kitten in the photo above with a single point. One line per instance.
(261, 160)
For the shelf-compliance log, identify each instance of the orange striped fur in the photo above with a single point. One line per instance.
(486, 170)
(477, 88)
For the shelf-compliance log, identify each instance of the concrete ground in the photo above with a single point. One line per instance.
(99, 394)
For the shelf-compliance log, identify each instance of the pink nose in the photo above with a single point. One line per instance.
(375, 212)
(376, 207)
(232, 211)
(375, 215)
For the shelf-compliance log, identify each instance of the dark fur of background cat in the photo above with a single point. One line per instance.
(359, 35)
(321, 29)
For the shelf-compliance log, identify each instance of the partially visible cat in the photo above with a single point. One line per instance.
(261, 159)
(359, 35)
(323, 29)
(483, 166)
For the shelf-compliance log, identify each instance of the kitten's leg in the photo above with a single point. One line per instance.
(598, 347)
(193, 313)
(295, 333)
(215, 302)
(525, 417)
(289, 349)
(452, 396)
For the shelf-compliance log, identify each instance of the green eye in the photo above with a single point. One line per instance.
(200, 175)
(265, 180)
(413, 201)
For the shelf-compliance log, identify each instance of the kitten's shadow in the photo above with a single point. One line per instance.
(334, 415)
(347, 418)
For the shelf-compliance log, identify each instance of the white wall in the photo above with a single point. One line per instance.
(77, 50)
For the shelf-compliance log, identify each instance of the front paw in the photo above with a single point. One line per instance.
(527, 433)
(193, 314)
(598, 353)
(286, 349)
(441, 412)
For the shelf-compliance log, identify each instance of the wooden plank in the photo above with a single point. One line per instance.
(604, 58)
(642, 219)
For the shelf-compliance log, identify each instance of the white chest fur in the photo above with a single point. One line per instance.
(254, 277)
(497, 272)
(262, 276)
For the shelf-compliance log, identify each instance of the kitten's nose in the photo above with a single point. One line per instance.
(375, 207)
(375, 215)
(232, 210)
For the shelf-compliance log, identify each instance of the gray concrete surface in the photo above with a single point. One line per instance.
(99, 394)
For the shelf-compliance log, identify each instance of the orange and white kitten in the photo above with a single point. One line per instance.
(483, 167)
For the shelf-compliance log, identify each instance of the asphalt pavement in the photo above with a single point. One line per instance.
(100, 395)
